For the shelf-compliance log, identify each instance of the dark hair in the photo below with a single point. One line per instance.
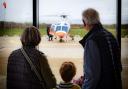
(30, 37)
(67, 71)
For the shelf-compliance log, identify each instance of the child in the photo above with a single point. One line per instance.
(67, 72)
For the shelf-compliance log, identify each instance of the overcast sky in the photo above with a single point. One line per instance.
(21, 10)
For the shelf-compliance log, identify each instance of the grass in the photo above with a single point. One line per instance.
(124, 32)
(18, 31)
(11, 32)
(81, 32)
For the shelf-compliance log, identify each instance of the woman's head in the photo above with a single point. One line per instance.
(67, 71)
(90, 17)
(30, 37)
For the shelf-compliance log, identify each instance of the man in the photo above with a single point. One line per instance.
(49, 33)
(102, 64)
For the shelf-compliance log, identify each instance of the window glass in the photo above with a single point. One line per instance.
(124, 42)
(64, 28)
(15, 15)
(70, 11)
(58, 28)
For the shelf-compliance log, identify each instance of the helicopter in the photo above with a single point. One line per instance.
(60, 29)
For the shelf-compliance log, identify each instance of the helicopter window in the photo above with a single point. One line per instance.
(65, 24)
(58, 28)
(64, 28)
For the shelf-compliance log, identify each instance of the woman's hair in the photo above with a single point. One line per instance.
(67, 71)
(90, 16)
(30, 37)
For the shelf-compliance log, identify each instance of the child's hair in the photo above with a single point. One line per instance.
(67, 71)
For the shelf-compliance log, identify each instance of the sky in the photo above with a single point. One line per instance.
(21, 10)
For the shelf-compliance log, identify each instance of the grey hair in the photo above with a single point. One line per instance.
(91, 16)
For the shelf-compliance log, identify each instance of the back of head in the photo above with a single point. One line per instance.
(67, 71)
(31, 36)
(91, 16)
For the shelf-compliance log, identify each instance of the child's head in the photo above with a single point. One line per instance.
(67, 71)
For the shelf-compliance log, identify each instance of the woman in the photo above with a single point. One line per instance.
(19, 72)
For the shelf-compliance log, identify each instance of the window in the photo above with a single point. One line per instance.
(124, 42)
(52, 11)
(16, 15)
(58, 28)
(65, 28)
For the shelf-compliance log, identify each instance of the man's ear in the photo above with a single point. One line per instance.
(84, 23)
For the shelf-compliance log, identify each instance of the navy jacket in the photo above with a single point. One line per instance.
(102, 65)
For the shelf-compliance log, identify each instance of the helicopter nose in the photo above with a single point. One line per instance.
(60, 34)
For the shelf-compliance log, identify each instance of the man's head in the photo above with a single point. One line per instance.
(67, 71)
(31, 36)
(90, 17)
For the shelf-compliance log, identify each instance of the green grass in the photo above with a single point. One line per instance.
(11, 32)
(82, 32)
(124, 32)
(43, 31)
(72, 32)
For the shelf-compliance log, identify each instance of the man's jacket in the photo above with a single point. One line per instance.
(102, 65)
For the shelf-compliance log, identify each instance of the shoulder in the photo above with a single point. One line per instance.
(75, 86)
(102, 34)
(90, 43)
(37, 52)
(15, 53)
(15, 56)
(42, 56)
(41, 53)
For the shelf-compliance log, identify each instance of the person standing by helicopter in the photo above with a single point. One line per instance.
(49, 33)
